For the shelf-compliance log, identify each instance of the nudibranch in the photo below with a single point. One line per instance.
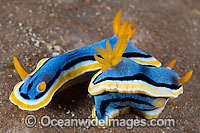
(53, 74)
(122, 84)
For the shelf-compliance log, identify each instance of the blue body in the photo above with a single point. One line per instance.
(128, 69)
(56, 65)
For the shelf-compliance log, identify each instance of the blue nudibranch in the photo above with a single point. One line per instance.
(122, 84)
(37, 89)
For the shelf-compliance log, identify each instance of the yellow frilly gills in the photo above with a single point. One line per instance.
(111, 58)
(125, 28)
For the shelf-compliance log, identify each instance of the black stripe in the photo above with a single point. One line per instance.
(139, 77)
(148, 65)
(105, 103)
(77, 60)
(29, 86)
(25, 96)
(86, 58)
(135, 54)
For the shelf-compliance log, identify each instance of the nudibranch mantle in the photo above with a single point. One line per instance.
(131, 77)
(129, 85)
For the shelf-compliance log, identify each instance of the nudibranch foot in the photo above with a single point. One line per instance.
(111, 104)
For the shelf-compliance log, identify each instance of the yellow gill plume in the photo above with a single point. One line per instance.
(111, 58)
(124, 28)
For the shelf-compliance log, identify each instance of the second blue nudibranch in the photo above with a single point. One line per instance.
(123, 84)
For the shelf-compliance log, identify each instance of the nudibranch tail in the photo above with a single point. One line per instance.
(111, 58)
(22, 73)
(185, 78)
(124, 28)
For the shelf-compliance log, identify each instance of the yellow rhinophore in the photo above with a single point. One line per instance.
(185, 78)
(171, 64)
(22, 73)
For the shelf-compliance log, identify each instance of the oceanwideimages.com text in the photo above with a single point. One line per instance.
(47, 121)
